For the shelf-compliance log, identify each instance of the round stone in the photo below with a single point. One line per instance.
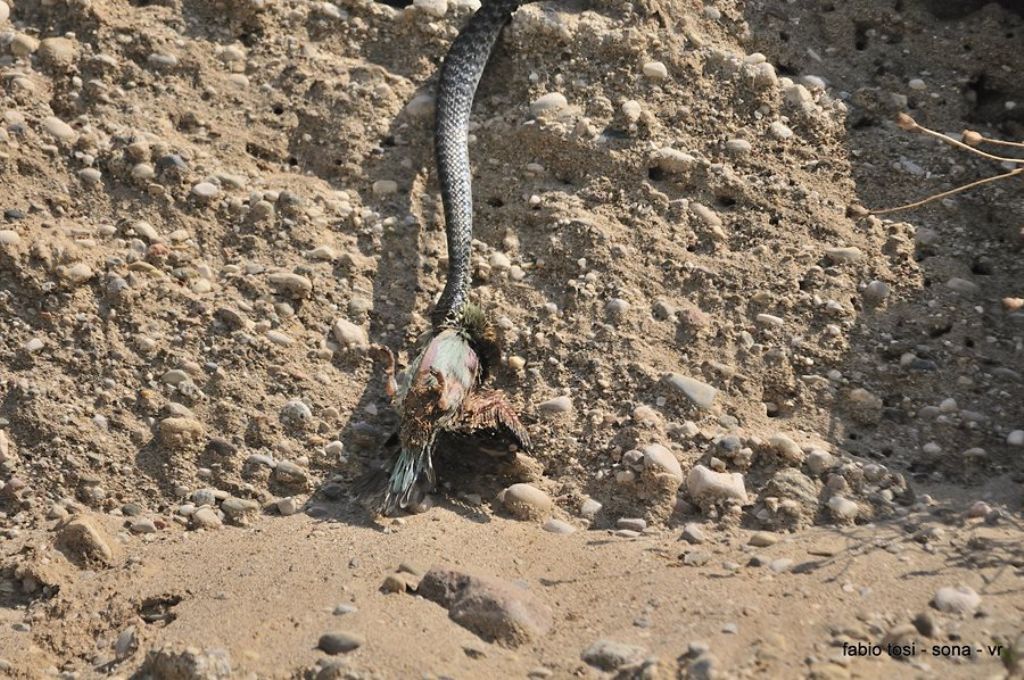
(552, 102)
(59, 129)
(843, 509)
(655, 70)
(524, 501)
(205, 190)
(90, 175)
(385, 187)
(339, 642)
(347, 334)
(433, 8)
(662, 461)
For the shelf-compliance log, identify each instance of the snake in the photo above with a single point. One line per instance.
(456, 88)
(441, 390)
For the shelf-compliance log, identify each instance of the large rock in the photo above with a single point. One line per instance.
(85, 542)
(496, 610)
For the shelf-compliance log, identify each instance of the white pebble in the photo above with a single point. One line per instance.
(843, 509)
(434, 8)
(958, 600)
(780, 130)
(205, 190)
(738, 147)
(555, 407)
(90, 175)
(59, 129)
(1015, 438)
(707, 486)
(552, 102)
(350, 335)
(655, 70)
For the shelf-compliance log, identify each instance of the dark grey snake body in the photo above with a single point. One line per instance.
(460, 74)
(440, 391)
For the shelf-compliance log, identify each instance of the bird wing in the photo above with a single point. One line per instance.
(484, 410)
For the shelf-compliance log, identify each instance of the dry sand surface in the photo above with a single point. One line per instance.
(768, 427)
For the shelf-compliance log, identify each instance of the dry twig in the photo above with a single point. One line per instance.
(970, 141)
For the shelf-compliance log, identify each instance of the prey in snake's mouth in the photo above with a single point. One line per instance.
(441, 393)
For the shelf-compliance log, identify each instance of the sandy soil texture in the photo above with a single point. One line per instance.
(774, 434)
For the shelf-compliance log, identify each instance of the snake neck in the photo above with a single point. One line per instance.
(460, 74)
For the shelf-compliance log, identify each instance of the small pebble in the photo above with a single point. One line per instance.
(385, 187)
(552, 102)
(780, 130)
(843, 509)
(763, 539)
(90, 175)
(288, 506)
(205, 191)
(631, 523)
(963, 286)
(553, 408)
(142, 526)
(738, 147)
(526, 502)
(956, 600)
(557, 526)
(692, 533)
(655, 70)
(876, 292)
(350, 335)
(339, 642)
(434, 8)
(59, 129)
(701, 394)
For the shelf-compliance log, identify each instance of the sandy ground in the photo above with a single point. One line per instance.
(767, 425)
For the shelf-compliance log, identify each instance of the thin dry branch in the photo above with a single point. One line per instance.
(970, 140)
(957, 190)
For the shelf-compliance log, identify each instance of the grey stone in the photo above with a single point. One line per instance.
(495, 610)
(339, 642)
(609, 655)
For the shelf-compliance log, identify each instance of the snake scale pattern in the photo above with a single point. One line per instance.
(460, 74)
(441, 391)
